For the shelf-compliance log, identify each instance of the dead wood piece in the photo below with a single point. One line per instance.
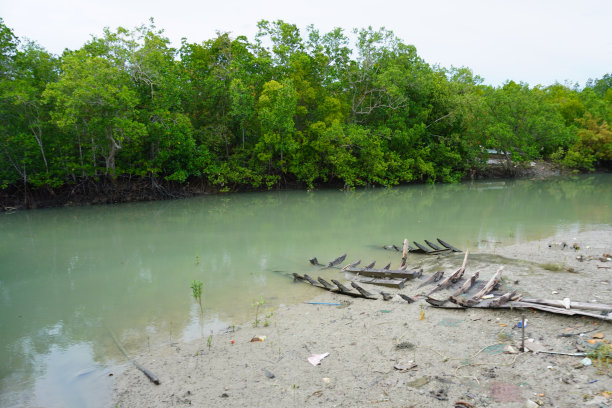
(404, 252)
(145, 371)
(336, 261)
(325, 283)
(556, 310)
(297, 277)
(408, 299)
(386, 295)
(354, 264)
(363, 292)
(433, 278)
(449, 246)
(490, 284)
(503, 299)
(387, 266)
(467, 285)
(310, 280)
(434, 246)
(370, 265)
(341, 286)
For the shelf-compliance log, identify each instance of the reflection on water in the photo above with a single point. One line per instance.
(66, 275)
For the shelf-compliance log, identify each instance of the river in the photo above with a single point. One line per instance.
(70, 276)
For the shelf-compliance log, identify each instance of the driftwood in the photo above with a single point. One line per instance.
(385, 273)
(310, 280)
(323, 284)
(433, 278)
(421, 247)
(370, 265)
(146, 372)
(315, 261)
(503, 299)
(387, 266)
(452, 278)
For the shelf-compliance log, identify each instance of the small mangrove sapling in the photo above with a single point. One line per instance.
(258, 304)
(196, 289)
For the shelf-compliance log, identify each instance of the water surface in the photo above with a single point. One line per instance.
(68, 276)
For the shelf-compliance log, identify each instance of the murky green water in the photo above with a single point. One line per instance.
(69, 275)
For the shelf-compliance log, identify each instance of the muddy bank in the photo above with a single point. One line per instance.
(395, 354)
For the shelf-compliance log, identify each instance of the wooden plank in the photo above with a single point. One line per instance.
(433, 278)
(325, 283)
(354, 264)
(341, 287)
(336, 261)
(421, 247)
(370, 265)
(467, 285)
(449, 246)
(390, 283)
(490, 285)
(385, 273)
(363, 292)
(452, 278)
(572, 305)
(404, 252)
(434, 246)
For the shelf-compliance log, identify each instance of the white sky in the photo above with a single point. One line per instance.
(534, 41)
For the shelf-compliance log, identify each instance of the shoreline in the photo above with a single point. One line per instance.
(128, 190)
(382, 353)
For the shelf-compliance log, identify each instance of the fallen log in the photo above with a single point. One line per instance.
(449, 246)
(385, 273)
(391, 283)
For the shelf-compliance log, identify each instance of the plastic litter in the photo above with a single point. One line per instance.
(315, 359)
(258, 338)
(586, 361)
(520, 324)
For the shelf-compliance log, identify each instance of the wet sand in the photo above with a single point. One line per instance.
(395, 354)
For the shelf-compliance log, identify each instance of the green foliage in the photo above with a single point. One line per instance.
(288, 108)
(258, 304)
(196, 292)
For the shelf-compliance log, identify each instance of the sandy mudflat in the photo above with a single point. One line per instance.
(382, 355)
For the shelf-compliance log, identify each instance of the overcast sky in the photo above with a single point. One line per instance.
(534, 41)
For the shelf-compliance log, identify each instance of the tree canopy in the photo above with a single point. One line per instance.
(289, 108)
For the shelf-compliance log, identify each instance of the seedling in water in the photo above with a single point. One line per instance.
(196, 288)
(209, 340)
(259, 303)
